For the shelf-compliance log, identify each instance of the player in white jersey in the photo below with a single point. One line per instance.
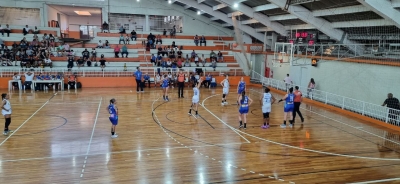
(225, 90)
(6, 111)
(195, 98)
(266, 101)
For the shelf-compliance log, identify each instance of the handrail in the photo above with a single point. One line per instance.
(384, 114)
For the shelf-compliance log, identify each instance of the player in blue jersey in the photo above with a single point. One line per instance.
(244, 103)
(288, 108)
(196, 98)
(113, 111)
(240, 88)
(165, 86)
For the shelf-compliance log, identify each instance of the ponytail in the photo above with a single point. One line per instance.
(243, 96)
(3, 96)
(112, 101)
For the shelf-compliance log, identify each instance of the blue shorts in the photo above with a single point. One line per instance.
(288, 108)
(164, 87)
(240, 91)
(244, 110)
(114, 121)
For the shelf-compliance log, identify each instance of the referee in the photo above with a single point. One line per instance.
(394, 105)
(181, 84)
(138, 75)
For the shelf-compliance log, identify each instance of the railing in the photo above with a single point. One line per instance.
(121, 73)
(378, 112)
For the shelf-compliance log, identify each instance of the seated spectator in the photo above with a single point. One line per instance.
(105, 27)
(71, 80)
(47, 62)
(52, 40)
(165, 33)
(179, 53)
(121, 39)
(6, 29)
(173, 45)
(196, 40)
(133, 35)
(213, 64)
(28, 79)
(85, 54)
(116, 51)
(94, 55)
(157, 80)
(146, 78)
(212, 55)
(151, 37)
(66, 47)
(159, 60)
(203, 60)
(36, 30)
(158, 39)
(100, 44)
(107, 45)
(80, 62)
(179, 63)
(187, 63)
(16, 77)
(70, 63)
(169, 63)
(127, 39)
(220, 57)
(207, 82)
(203, 40)
(1, 44)
(48, 77)
(187, 57)
(171, 54)
(88, 62)
(153, 59)
(26, 30)
(102, 62)
(193, 54)
(196, 60)
(124, 50)
(122, 30)
(163, 63)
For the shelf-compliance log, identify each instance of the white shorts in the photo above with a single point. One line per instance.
(266, 108)
(195, 100)
(5, 112)
(225, 91)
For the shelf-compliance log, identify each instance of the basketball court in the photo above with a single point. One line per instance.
(64, 137)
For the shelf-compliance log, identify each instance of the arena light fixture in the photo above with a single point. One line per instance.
(235, 5)
(82, 12)
(169, 1)
(198, 12)
(137, 0)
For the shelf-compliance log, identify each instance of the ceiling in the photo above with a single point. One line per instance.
(70, 10)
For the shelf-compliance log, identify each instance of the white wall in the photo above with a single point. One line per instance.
(364, 82)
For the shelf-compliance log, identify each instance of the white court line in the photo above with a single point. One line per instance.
(377, 181)
(233, 129)
(30, 117)
(310, 150)
(357, 128)
(118, 152)
(91, 137)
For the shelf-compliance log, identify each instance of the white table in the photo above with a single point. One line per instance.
(10, 84)
(48, 81)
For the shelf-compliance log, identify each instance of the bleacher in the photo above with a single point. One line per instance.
(138, 56)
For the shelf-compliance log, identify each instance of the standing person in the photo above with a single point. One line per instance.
(6, 111)
(244, 103)
(225, 90)
(288, 108)
(266, 101)
(138, 75)
(113, 111)
(195, 98)
(181, 84)
(240, 88)
(288, 81)
(298, 97)
(165, 86)
(310, 88)
(394, 105)
(94, 55)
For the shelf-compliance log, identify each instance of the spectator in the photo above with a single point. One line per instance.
(196, 40)
(288, 81)
(66, 47)
(116, 51)
(158, 39)
(1, 44)
(179, 53)
(16, 77)
(70, 63)
(85, 54)
(394, 105)
(124, 51)
(165, 33)
(26, 30)
(48, 62)
(180, 30)
(187, 63)
(207, 82)
(127, 39)
(138, 76)
(179, 63)
(146, 78)
(28, 79)
(105, 27)
(169, 63)
(122, 30)
(310, 88)
(80, 62)
(71, 80)
(203, 40)
(203, 60)
(153, 59)
(5, 30)
(36, 30)
(196, 60)
(52, 40)
(220, 57)
(102, 62)
(94, 55)
(107, 45)
(213, 64)
(1, 29)
(121, 39)
(193, 54)
(173, 45)
(212, 55)
(133, 35)
(100, 44)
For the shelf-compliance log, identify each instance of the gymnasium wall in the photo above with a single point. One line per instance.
(366, 82)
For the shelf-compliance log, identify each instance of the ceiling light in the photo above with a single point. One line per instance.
(169, 1)
(82, 12)
(235, 5)
(137, 0)
(198, 12)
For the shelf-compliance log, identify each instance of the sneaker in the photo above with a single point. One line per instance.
(189, 113)
(244, 128)
(240, 126)
(222, 104)
(196, 116)
(226, 103)
(290, 125)
(283, 126)
(265, 127)
(114, 136)
(302, 120)
(4, 133)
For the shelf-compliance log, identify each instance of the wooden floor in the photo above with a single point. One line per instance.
(65, 138)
